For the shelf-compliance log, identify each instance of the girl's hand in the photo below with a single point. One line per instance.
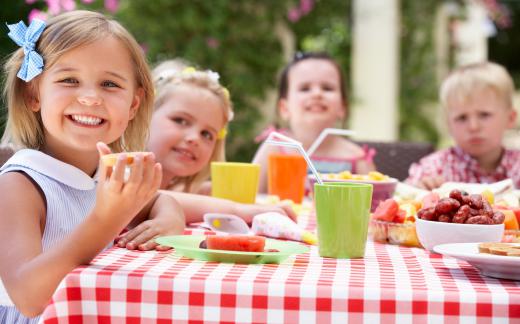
(117, 200)
(164, 216)
(143, 236)
(248, 211)
(430, 183)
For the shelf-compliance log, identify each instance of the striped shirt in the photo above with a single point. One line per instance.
(70, 195)
(455, 165)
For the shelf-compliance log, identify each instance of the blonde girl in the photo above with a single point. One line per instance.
(78, 81)
(187, 133)
(188, 127)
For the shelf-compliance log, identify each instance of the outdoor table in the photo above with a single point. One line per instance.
(391, 284)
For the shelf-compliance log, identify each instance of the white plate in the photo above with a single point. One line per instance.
(491, 265)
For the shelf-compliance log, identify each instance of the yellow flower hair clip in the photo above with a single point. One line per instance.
(222, 133)
(226, 92)
(189, 70)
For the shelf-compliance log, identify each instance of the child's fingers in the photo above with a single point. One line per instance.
(103, 149)
(289, 211)
(162, 247)
(149, 245)
(131, 234)
(104, 171)
(147, 235)
(136, 171)
(117, 177)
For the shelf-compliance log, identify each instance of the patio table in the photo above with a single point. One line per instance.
(391, 284)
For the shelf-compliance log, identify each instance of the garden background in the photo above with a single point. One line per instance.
(248, 42)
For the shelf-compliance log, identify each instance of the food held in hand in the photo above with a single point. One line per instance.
(111, 159)
(462, 208)
(276, 225)
(242, 243)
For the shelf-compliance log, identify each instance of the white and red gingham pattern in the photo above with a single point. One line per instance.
(453, 164)
(391, 284)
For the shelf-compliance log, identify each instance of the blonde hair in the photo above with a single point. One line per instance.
(169, 75)
(63, 33)
(463, 82)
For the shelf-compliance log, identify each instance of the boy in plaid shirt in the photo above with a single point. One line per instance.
(478, 104)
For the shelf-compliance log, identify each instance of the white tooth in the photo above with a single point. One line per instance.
(87, 119)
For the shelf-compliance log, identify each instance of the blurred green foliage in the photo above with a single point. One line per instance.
(238, 39)
(417, 67)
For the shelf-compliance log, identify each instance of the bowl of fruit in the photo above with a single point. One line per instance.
(459, 218)
(383, 185)
(394, 222)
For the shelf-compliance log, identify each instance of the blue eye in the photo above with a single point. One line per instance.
(109, 84)
(69, 80)
(180, 121)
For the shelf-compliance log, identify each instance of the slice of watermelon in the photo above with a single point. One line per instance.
(244, 243)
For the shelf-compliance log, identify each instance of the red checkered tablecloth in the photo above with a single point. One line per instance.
(391, 284)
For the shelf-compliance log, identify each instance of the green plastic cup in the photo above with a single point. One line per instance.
(342, 215)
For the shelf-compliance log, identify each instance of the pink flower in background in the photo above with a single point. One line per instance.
(306, 6)
(35, 13)
(293, 15)
(212, 42)
(112, 5)
(68, 5)
(53, 6)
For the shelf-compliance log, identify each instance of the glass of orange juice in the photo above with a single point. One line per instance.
(286, 176)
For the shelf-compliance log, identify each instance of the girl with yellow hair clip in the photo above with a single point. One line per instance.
(188, 132)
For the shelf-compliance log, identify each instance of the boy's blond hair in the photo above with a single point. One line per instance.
(463, 82)
(169, 75)
(63, 33)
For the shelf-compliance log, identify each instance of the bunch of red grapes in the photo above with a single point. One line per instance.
(463, 209)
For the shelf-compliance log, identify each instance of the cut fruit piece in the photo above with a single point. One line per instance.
(244, 243)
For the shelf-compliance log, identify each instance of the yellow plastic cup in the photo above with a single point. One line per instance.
(235, 181)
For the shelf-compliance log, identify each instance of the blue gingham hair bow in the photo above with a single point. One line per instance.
(26, 38)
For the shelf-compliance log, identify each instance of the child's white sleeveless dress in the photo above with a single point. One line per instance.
(70, 195)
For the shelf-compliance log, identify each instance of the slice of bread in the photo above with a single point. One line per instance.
(506, 249)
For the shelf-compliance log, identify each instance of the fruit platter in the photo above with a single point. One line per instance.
(394, 219)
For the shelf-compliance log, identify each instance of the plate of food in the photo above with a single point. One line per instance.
(232, 248)
(493, 259)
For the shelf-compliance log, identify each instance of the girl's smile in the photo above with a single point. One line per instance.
(87, 95)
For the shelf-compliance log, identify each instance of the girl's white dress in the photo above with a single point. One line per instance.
(70, 195)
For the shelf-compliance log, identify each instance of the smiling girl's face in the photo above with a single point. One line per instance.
(88, 95)
(184, 130)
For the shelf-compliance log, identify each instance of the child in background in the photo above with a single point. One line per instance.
(75, 84)
(187, 133)
(312, 97)
(478, 104)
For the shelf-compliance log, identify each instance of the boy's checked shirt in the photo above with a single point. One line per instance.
(454, 165)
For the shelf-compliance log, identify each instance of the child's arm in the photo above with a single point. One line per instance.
(261, 157)
(162, 216)
(31, 275)
(195, 206)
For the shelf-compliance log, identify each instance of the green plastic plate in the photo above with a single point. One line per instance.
(188, 246)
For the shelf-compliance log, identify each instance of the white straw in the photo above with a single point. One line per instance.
(272, 135)
(324, 133)
(299, 147)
